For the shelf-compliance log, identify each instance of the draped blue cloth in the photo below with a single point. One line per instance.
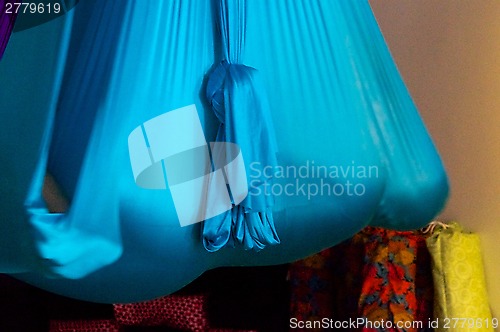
(353, 150)
(240, 103)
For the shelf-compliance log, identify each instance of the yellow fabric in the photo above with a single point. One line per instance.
(460, 299)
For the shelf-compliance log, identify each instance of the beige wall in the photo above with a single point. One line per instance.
(448, 52)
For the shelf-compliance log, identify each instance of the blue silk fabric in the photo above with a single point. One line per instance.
(240, 102)
(307, 89)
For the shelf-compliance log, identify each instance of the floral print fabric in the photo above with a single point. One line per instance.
(389, 276)
(377, 275)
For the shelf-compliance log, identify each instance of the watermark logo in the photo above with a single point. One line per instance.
(170, 151)
(311, 180)
(33, 13)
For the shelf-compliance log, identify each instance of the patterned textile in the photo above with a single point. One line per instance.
(388, 292)
(84, 326)
(107, 326)
(348, 263)
(182, 312)
(375, 275)
(312, 287)
(460, 287)
(185, 312)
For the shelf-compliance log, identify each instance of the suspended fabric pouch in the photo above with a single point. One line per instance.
(459, 283)
(319, 69)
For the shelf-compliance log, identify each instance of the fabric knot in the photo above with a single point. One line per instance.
(215, 90)
(239, 101)
(237, 96)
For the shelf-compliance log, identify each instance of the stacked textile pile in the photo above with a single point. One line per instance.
(386, 280)
(371, 276)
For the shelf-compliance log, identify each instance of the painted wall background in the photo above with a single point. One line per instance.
(448, 52)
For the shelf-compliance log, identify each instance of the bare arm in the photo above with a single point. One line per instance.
(53, 196)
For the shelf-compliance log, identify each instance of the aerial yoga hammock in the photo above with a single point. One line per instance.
(301, 97)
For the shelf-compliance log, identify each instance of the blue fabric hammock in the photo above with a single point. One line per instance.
(327, 135)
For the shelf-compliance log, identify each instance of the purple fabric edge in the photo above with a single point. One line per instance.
(6, 25)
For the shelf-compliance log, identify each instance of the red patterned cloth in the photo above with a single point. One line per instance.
(84, 326)
(374, 275)
(312, 287)
(388, 291)
(394, 289)
(180, 312)
(328, 284)
(184, 312)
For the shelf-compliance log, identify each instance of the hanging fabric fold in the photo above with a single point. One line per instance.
(239, 101)
(92, 221)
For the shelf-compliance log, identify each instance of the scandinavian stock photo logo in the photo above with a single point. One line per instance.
(205, 180)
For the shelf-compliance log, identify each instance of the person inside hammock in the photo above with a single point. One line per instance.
(53, 196)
